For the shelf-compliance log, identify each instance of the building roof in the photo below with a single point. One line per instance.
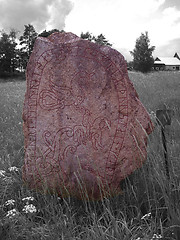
(177, 55)
(167, 61)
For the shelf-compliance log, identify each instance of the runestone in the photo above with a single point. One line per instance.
(85, 128)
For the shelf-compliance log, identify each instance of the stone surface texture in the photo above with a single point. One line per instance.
(85, 129)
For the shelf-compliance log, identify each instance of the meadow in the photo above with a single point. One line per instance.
(147, 209)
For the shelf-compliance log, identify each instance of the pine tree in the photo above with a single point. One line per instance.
(142, 54)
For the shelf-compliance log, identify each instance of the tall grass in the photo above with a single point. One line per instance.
(149, 206)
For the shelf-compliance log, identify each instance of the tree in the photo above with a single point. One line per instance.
(100, 39)
(8, 52)
(27, 42)
(14, 60)
(142, 54)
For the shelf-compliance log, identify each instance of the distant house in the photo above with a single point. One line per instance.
(167, 63)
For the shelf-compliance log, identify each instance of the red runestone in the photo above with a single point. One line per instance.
(84, 127)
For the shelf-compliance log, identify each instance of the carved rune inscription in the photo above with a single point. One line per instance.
(83, 134)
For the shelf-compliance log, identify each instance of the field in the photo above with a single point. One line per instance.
(149, 206)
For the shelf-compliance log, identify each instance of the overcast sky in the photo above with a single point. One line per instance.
(121, 21)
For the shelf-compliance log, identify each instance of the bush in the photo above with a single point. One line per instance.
(15, 76)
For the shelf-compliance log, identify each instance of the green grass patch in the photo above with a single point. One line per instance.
(148, 208)
(11, 139)
(157, 88)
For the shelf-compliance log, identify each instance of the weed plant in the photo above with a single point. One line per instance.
(147, 209)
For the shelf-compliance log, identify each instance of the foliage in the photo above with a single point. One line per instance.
(100, 39)
(142, 54)
(130, 65)
(48, 33)
(27, 42)
(87, 36)
(8, 52)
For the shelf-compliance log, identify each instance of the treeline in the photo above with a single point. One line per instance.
(15, 52)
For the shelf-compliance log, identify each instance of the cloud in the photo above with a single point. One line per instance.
(169, 49)
(165, 27)
(39, 13)
(172, 3)
(120, 21)
(58, 12)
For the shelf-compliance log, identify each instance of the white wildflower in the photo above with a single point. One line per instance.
(27, 199)
(146, 216)
(13, 169)
(12, 213)
(152, 114)
(29, 209)
(156, 236)
(2, 173)
(8, 180)
(153, 117)
(9, 202)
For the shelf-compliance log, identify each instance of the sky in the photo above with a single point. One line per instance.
(121, 21)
